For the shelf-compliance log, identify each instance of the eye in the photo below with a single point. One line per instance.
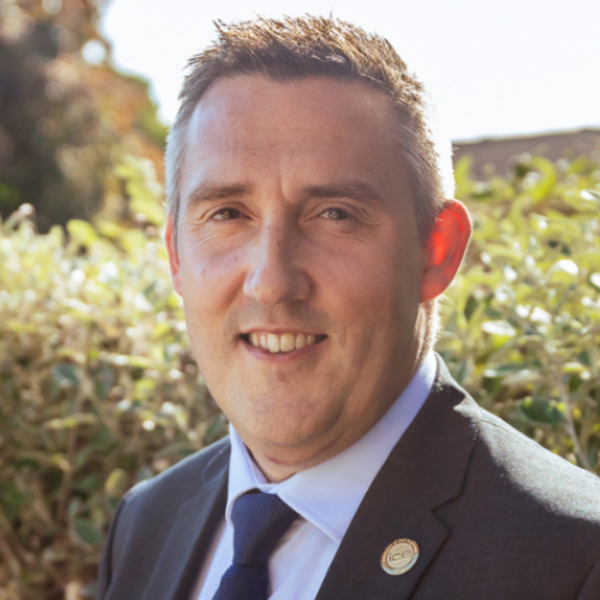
(335, 214)
(227, 214)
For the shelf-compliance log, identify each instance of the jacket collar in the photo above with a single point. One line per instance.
(433, 455)
(426, 469)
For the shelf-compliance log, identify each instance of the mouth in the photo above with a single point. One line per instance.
(281, 343)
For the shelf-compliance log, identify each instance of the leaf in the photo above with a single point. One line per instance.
(65, 375)
(543, 411)
(104, 380)
(547, 181)
(79, 419)
(521, 378)
(87, 533)
(149, 208)
(462, 176)
(591, 195)
(470, 306)
(12, 500)
(499, 328)
(87, 484)
(82, 232)
(116, 483)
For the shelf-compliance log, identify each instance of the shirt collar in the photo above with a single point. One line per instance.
(329, 494)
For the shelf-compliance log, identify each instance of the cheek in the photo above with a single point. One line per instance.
(209, 276)
(211, 282)
(382, 296)
(376, 277)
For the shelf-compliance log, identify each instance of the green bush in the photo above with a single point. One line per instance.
(98, 389)
(522, 319)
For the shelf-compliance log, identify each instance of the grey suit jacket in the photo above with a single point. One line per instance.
(496, 517)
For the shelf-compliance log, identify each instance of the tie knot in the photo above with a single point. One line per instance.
(259, 521)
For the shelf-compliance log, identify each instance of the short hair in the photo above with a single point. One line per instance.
(297, 48)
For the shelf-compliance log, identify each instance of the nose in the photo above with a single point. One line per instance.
(275, 275)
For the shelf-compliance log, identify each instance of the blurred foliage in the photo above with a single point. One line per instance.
(522, 320)
(98, 388)
(67, 117)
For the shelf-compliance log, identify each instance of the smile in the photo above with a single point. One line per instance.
(284, 342)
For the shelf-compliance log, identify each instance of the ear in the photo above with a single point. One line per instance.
(445, 249)
(171, 242)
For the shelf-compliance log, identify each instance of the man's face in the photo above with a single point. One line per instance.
(297, 229)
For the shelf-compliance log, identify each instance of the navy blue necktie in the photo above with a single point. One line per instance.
(259, 521)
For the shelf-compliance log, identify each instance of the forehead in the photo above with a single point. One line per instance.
(259, 113)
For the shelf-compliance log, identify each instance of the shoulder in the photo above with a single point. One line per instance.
(505, 467)
(521, 501)
(152, 506)
(533, 473)
(526, 520)
(183, 480)
(147, 515)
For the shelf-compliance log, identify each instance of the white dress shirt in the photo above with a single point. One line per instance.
(326, 497)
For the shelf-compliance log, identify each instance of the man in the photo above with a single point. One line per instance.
(309, 237)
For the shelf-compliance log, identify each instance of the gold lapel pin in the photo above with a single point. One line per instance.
(400, 556)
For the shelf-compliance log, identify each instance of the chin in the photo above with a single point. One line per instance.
(288, 435)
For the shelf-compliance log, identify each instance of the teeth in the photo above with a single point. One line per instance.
(273, 343)
(286, 342)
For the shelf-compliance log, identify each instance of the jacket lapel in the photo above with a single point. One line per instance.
(180, 560)
(388, 513)
(425, 470)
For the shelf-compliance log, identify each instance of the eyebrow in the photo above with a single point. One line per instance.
(209, 193)
(358, 190)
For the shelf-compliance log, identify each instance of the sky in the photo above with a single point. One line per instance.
(493, 68)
